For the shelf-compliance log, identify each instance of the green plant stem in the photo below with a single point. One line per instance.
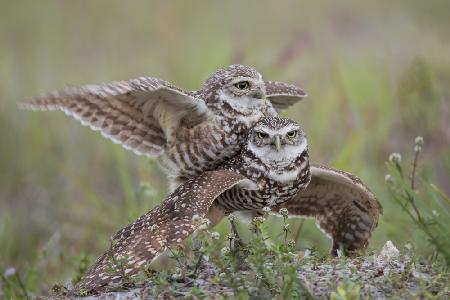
(413, 176)
(299, 230)
(180, 263)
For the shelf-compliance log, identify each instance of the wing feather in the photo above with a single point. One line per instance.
(133, 113)
(343, 206)
(169, 223)
(283, 95)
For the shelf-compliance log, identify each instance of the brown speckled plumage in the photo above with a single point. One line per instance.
(189, 132)
(343, 207)
(173, 220)
(202, 140)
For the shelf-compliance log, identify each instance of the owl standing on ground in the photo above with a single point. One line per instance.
(271, 170)
(189, 132)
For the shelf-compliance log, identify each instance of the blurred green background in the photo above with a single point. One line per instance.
(377, 74)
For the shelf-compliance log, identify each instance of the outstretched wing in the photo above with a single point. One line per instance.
(283, 95)
(134, 113)
(168, 223)
(344, 208)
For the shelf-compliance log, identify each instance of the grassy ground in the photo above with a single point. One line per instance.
(378, 74)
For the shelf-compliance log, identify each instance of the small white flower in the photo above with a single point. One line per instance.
(284, 212)
(388, 178)
(196, 219)
(215, 235)
(224, 251)
(258, 221)
(418, 141)
(268, 265)
(231, 218)
(202, 227)
(395, 158)
(266, 209)
(291, 243)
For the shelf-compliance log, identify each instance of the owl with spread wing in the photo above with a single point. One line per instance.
(188, 131)
(271, 170)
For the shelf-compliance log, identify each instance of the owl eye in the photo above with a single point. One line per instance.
(242, 85)
(292, 134)
(262, 135)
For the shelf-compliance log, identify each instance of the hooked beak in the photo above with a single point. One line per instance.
(258, 95)
(277, 143)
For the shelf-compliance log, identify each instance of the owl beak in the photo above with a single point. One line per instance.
(258, 95)
(277, 143)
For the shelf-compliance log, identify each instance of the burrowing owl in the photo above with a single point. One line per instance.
(270, 170)
(189, 132)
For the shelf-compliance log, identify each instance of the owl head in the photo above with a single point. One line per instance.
(277, 141)
(237, 88)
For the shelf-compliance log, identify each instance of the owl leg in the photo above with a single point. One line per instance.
(236, 244)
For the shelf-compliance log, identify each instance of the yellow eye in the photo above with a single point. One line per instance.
(242, 85)
(261, 135)
(292, 134)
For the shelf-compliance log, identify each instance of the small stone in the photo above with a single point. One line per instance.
(388, 253)
(307, 253)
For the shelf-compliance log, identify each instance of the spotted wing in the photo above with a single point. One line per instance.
(283, 95)
(134, 113)
(169, 223)
(344, 208)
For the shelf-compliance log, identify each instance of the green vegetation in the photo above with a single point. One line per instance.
(428, 208)
(377, 75)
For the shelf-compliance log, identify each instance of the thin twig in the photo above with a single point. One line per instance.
(197, 265)
(410, 196)
(180, 263)
(413, 175)
(22, 286)
(299, 230)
